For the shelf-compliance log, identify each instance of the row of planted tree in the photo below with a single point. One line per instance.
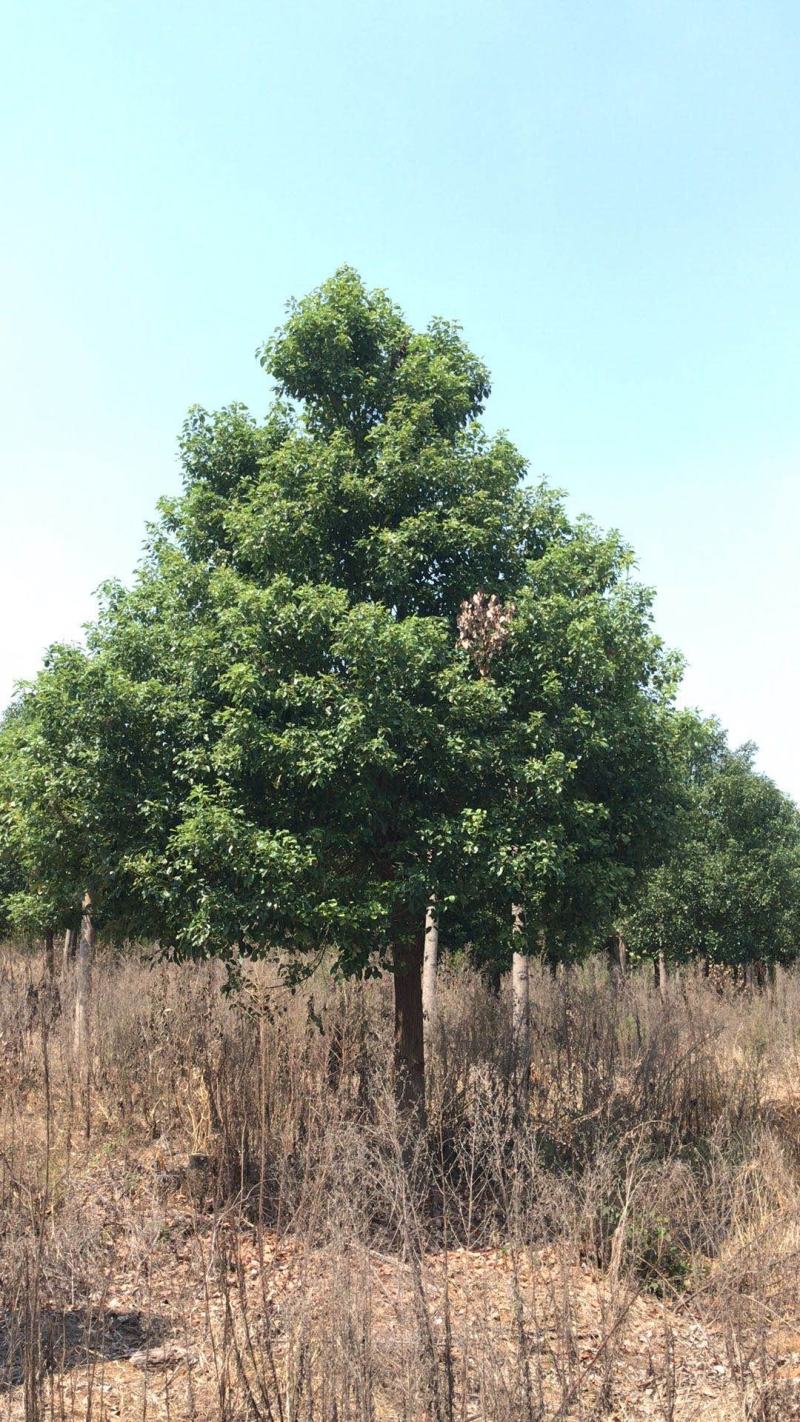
(369, 687)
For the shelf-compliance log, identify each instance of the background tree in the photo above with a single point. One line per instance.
(74, 792)
(76, 771)
(729, 890)
(587, 749)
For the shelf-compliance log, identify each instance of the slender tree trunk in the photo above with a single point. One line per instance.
(493, 978)
(70, 945)
(617, 957)
(49, 955)
(430, 965)
(520, 1009)
(521, 1001)
(83, 982)
(661, 972)
(409, 1042)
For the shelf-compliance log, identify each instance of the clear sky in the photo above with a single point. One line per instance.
(606, 193)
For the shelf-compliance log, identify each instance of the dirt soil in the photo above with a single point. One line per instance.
(184, 1289)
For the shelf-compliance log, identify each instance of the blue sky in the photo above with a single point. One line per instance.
(606, 193)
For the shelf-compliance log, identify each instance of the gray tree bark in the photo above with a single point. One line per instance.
(83, 981)
(70, 946)
(662, 972)
(617, 951)
(49, 955)
(430, 964)
(520, 1008)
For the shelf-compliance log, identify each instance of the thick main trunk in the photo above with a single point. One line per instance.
(83, 981)
(409, 1043)
(430, 963)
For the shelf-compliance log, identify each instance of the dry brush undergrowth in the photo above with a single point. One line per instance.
(228, 1223)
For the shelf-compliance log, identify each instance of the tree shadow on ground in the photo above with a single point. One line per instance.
(55, 1340)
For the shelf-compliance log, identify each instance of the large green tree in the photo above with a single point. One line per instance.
(295, 746)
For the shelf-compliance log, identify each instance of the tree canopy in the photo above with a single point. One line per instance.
(277, 739)
(729, 888)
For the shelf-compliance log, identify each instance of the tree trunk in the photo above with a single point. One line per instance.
(661, 972)
(430, 964)
(617, 957)
(49, 955)
(520, 1009)
(83, 981)
(493, 977)
(521, 999)
(409, 1044)
(70, 945)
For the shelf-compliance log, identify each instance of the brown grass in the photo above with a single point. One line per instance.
(231, 1226)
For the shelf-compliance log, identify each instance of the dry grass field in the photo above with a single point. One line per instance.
(225, 1224)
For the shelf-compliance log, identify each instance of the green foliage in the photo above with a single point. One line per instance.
(74, 787)
(655, 1250)
(275, 739)
(591, 771)
(730, 887)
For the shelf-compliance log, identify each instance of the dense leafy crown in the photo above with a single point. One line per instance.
(278, 736)
(729, 887)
